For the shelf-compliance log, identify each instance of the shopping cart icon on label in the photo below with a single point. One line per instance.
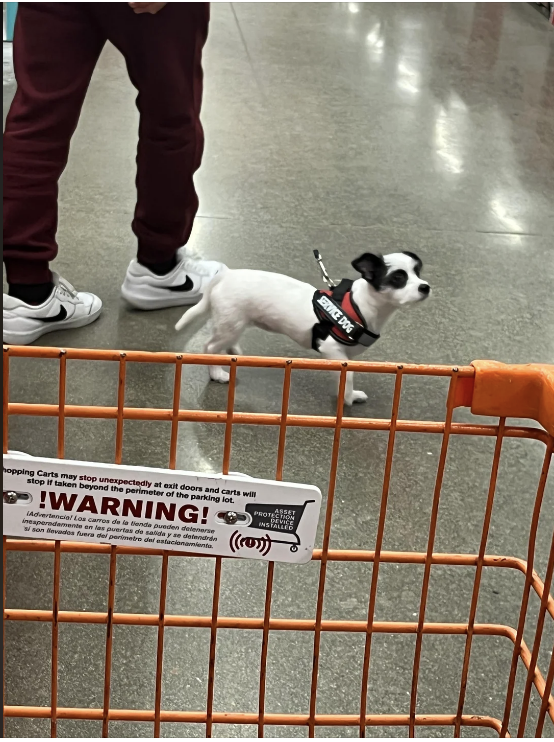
(279, 518)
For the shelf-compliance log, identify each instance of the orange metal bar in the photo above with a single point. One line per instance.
(109, 641)
(505, 390)
(527, 587)
(283, 422)
(175, 413)
(430, 544)
(61, 404)
(120, 407)
(218, 562)
(271, 565)
(55, 633)
(229, 418)
(391, 557)
(204, 359)
(5, 397)
(325, 549)
(378, 547)
(337, 555)
(478, 573)
(213, 640)
(546, 698)
(258, 418)
(275, 624)
(265, 647)
(4, 568)
(160, 647)
(165, 556)
(481, 629)
(199, 717)
(537, 643)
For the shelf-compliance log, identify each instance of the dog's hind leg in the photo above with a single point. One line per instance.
(212, 347)
(224, 340)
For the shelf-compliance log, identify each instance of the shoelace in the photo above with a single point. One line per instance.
(191, 265)
(65, 288)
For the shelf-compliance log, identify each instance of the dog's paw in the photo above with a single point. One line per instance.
(219, 375)
(359, 397)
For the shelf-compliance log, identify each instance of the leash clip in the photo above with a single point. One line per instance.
(329, 281)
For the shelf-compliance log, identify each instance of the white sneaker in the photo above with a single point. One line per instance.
(64, 309)
(182, 286)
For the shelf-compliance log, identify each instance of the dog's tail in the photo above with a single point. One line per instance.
(201, 310)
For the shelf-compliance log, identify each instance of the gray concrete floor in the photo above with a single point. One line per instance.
(347, 127)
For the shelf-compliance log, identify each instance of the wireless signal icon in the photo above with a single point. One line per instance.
(238, 541)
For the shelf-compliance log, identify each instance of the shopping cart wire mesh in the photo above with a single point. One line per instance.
(487, 388)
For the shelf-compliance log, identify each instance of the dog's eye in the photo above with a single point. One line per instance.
(397, 279)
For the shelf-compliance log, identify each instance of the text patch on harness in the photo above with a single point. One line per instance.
(335, 314)
(339, 317)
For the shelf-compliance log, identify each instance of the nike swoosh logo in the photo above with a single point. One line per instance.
(186, 286)
(61, 315)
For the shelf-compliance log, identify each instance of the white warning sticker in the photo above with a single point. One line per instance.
(223, 515)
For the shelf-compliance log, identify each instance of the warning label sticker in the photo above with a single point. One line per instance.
(231, 515)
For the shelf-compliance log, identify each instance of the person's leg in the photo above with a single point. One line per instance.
(163, 53)
(56, 46)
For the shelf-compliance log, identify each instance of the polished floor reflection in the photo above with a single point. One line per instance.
(345, 127)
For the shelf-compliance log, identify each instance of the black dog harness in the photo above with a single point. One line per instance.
(339, 317)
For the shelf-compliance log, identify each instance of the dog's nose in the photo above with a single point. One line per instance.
(424, 289)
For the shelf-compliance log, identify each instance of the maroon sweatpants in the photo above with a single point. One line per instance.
(56, 47)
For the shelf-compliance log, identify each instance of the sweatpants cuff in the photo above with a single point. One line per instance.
(27, 271)
(148, 254)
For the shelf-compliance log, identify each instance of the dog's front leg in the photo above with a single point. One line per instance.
(351, 395)
(332, 351)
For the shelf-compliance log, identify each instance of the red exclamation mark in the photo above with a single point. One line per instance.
(205, 512)
(42, 499)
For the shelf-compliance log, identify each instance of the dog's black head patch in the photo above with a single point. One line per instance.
(419, 263)
(372, 267)
(397, 279)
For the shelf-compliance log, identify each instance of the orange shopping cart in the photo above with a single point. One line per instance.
(368, 656)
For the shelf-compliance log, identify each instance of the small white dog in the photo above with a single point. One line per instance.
(339, 323)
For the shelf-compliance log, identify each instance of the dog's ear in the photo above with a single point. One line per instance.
(372, 267)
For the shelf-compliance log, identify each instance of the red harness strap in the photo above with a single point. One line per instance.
(349, 327)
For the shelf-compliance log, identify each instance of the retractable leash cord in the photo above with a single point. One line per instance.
(338, 314)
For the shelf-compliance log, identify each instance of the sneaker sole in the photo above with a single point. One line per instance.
(146, 305)
(25, 338)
